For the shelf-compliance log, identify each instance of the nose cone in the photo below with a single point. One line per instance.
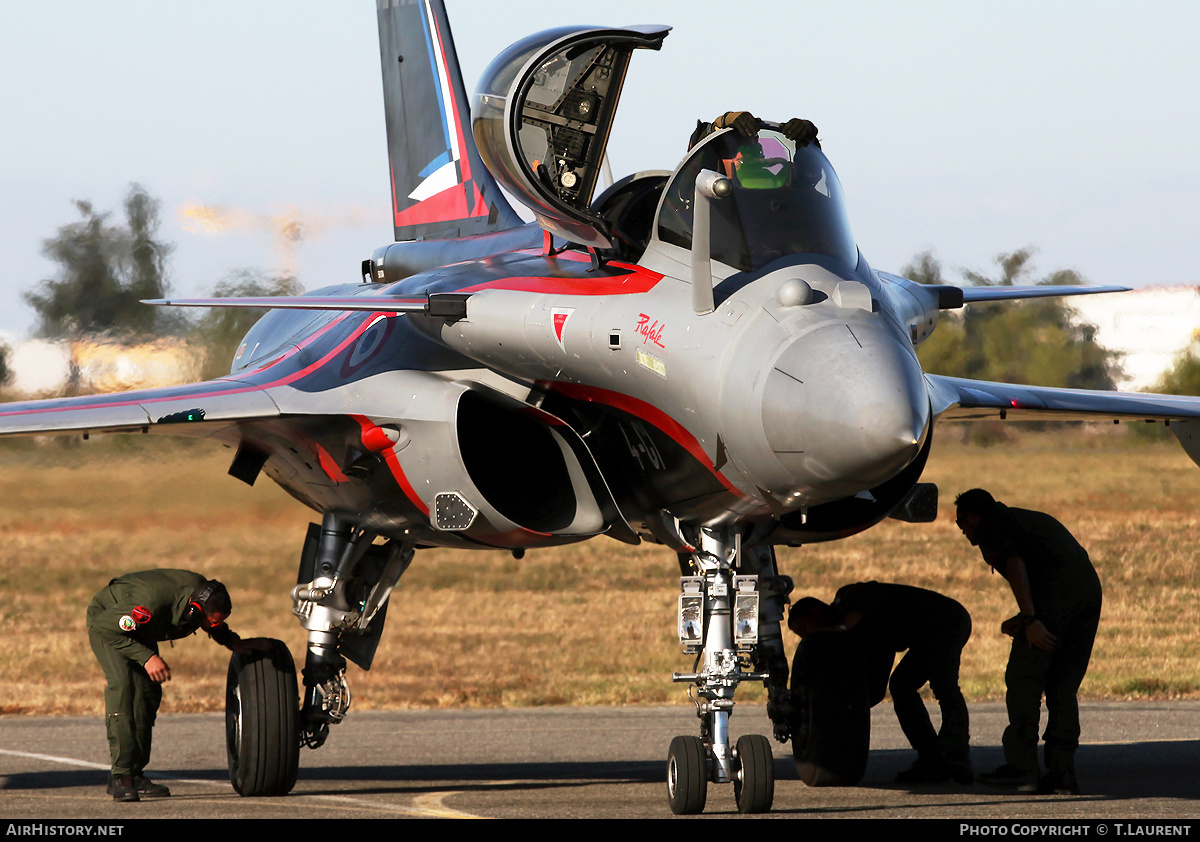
(845, 408)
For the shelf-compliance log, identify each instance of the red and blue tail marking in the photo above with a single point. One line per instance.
(440, 188)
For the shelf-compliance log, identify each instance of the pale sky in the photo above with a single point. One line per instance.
(967, 128)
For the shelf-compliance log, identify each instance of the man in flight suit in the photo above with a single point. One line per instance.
(1058, 596)
(125, 622)
(885, 619)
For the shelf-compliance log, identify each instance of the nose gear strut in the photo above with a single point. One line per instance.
(729, 614)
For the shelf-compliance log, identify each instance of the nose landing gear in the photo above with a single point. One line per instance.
(719, 621)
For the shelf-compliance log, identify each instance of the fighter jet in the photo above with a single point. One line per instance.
(700, 357)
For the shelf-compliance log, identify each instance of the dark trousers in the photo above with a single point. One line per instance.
(131, 702)
(1032, 673)
(936, 663)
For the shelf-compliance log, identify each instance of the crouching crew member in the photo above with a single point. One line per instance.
(125, 622)
(885, 619)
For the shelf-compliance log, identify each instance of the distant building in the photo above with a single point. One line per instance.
(1150, 326)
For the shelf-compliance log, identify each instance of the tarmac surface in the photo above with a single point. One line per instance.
(1140, 761)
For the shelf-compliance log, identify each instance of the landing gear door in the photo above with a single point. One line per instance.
(542, 116)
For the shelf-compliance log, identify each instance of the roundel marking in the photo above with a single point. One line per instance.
(368, 344)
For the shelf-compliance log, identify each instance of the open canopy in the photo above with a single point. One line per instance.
(542, 115)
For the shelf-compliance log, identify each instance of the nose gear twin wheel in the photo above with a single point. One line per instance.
(688, 773)
(754, 786)
(687, 776)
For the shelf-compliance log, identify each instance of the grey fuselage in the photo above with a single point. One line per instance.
(612, 405)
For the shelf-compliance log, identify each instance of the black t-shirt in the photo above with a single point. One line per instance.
(896, 617)
(1061, 576)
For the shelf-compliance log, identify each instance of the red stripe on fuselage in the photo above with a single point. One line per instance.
(638, 280)
(647, 412)
(576, 256)
(389, 458)
(327, 464)
(631, 284)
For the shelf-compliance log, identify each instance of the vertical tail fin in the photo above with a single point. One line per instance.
(440, 188)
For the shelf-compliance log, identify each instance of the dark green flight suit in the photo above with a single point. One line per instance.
(125, 623)
(1067, 597)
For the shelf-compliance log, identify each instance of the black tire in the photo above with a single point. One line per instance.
(262, 730)
(831, 725)
(754, 786)
(687, 776)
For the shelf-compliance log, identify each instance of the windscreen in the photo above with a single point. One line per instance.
(786, 200)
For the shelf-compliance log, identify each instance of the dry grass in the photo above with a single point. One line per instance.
(590, 624)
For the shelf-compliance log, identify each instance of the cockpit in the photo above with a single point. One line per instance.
(542, 116)
(786, 200)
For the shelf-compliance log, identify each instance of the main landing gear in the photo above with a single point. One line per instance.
(345, 581)
(729, 614)
(262, 733)
(831, 710)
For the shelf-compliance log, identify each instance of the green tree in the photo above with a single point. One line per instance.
(1035, 342)
(1183, 378)
(6, 372)
(104, 271)
(219, 331)
(924, 269)
(147, 273)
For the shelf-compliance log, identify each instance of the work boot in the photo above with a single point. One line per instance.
(121, 788)
(958, 766)
(1058, 783)
(1011, 777)
(961, 771)
(925, 771)
(147, 788)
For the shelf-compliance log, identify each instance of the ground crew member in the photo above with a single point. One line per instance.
(125, 623)
(1058, 596)
(886, 619)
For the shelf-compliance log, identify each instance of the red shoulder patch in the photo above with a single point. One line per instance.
(140, 614)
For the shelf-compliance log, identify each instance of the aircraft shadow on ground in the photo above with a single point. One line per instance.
(1166, 769)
